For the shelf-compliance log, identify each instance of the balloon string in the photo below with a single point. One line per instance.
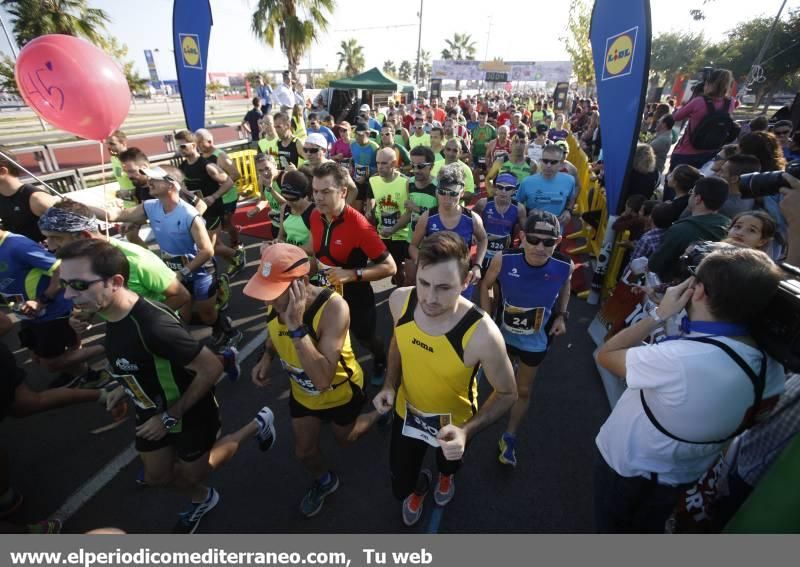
(103, 182)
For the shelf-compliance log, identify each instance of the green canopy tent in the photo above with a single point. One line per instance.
(373, 80)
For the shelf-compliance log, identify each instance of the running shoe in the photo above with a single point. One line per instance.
(140, 481)
(445, 489)
(230, 363)
(378, 374)
(223, 292)
(265, 420)
(233, 338)
(45, 527)
(412, 505)
(189, 521)
(238, 262)
(507, 445)
(13, 505)
(315, 498)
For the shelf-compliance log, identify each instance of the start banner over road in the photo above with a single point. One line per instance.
(502, 71)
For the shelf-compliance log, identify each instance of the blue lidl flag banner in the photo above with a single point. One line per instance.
(151, 67)
(620, 36)
(191, 29)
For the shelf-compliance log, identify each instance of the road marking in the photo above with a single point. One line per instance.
(251, 346)
(95, 484)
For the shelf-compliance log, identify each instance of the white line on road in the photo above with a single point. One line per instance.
(95, 484)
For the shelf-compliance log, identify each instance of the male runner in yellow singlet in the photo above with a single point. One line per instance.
(440, 340)
(308, 332)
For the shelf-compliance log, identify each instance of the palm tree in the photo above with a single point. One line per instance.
(279, 18)
(405, 71)
(33, 18)
(425, 68)
(389, 67)
(459, 48)
(351, 56)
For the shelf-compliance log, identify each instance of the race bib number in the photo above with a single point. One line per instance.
(424, 426)
(388, 220)
(362, 171)
(521, 321)
(174, 263)
(135, 391)
(497, 243)
(321, 278)
(301, 379)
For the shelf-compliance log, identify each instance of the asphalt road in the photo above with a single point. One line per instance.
(65, 470)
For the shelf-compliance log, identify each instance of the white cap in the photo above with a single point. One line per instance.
(156, 173)
(364, 108)
(317, 140)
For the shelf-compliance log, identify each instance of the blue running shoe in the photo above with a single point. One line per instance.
(507, 445)
(315, 498)
(189, 521)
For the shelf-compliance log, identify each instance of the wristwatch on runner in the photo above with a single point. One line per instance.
(299, 332)
(359, 274)
(563, 314)
(168, 421)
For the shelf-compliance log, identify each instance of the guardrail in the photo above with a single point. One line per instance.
(68, 180)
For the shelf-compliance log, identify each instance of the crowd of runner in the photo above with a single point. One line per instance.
(465, 207)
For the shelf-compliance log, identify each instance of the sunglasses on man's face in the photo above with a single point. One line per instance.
(311, 150)
(448, 192)
(421, 166)
(184, 146)
(506, 187)
(551, 161)
(535, 240)
(79, 285)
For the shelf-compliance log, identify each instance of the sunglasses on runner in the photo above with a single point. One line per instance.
(80, 285)
(311, 150)
(535, 240)
(447, 192)
(421, 166)
(184, 146)
(506, 187)
(550, 161)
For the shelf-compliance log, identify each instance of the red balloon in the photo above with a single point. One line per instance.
(73, 85)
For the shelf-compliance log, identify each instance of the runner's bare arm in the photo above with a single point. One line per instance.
(207, 369)
(489, 280)
(176, 295)
(40, 202)
(479, 206)
(492, 174)
(321, 361)
(281, 232)
(224, 180)
(487, 347)
(481, 239)
(384, 400)
(205, 250)
(559, 326)
(134, 214)
(229, 167)
(419, 234)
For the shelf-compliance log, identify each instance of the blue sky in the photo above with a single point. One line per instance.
(391, 31)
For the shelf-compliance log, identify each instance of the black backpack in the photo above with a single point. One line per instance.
(716, 129)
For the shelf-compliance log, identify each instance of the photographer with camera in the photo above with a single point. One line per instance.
(688, 395)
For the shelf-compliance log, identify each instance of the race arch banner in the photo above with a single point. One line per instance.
(191, 30)
(502, 71)
(620, 36)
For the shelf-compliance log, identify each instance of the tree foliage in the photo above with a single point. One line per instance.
(351, 57)
(459, 48)
(389, 67)
(676, 52)
(577, 41)
(119, 51)
(278, 19)
(405, 71)
(32, 18)
(324, 81)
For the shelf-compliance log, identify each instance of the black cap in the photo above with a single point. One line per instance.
(540, 217)
(362, 127)
(294, 183)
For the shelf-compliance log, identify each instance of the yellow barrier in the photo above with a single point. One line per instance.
(245, 162)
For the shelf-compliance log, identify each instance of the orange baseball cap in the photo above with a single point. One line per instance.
(280, 265)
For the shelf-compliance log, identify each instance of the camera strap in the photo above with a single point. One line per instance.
(758, 381)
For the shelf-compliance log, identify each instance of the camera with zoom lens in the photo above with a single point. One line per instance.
(777, 331)
(755, 185)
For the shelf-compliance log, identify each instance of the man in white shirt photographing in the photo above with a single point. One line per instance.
(687, 395)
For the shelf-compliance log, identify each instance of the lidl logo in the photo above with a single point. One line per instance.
(190, 49)
(619, 54)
